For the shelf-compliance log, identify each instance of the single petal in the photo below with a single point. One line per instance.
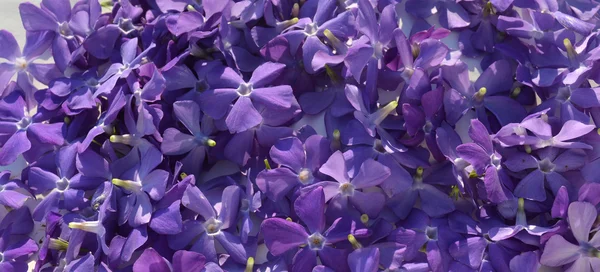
(434, 202)
(176, 143)
(335, 167)
(195, 200)
(475, 155)
(280, 97)
(36, 19)
(15, 146)
(188, 113)
(581, 218)
(526, 262)
(532, 187)
(276, 183)
(364, 260)
(370, 203)
(310, 208)
(233, 245)
(281, 235)
(216, 102)
(10, 48)
(264, 74)
(168, 220)
(188, 261)
(230, 202)
(479, 134)
(558, 252)
(371, 173)
(150, 260)
(243, 116)
(135, 240)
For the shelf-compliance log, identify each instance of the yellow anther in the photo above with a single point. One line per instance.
(354, 242)
(364, 218)
(249, 265)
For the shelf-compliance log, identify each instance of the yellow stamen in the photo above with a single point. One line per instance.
(267, 164)
(249, 265)
(354, 242)
(289, 219)
(364, 218)
(515, 92)
(211, 142)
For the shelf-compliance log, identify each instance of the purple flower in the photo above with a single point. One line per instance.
(283, 235)
(130, 61)
(583, 254)
(140, 184)
(230, 87)
(194, 146)
(23, 64)
(549, 166)
(23, 133)
(211, 225)
(351, 190)
(484, 159)
(15, 249)
(299, 164)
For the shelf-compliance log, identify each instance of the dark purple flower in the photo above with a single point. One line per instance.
(349, 191)
(230, 87)
(283, 235)
(211, 225)
(299, 164)
(485, 159)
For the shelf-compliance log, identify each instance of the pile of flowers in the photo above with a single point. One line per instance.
(301, 135)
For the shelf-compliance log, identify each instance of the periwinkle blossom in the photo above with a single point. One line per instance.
(581, 255)
(299, 164)
(22, 63)
(188, 135)
(486, 160)
(481, 95)
(23, 131)
(130, 60)
(13, 193)
(211, 226)
(140, 184)
(195, 146)
(550, 165)
(230, 87)
(14, 250)
(55, 18)
(282, 235)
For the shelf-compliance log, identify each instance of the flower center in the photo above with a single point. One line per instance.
(428, 127)
(378, 50)
(65, 30)
(305, 176)
(24, 123)
(62, 184)
(432, 233)
(495, 160)
(346, 189)
(316, 241)
(126, 25)
(21, 63)
(245, 89)
(92, 83)
(201, 86)
(311, 29)
(546, 166)
(378, 147)
(213, 226)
